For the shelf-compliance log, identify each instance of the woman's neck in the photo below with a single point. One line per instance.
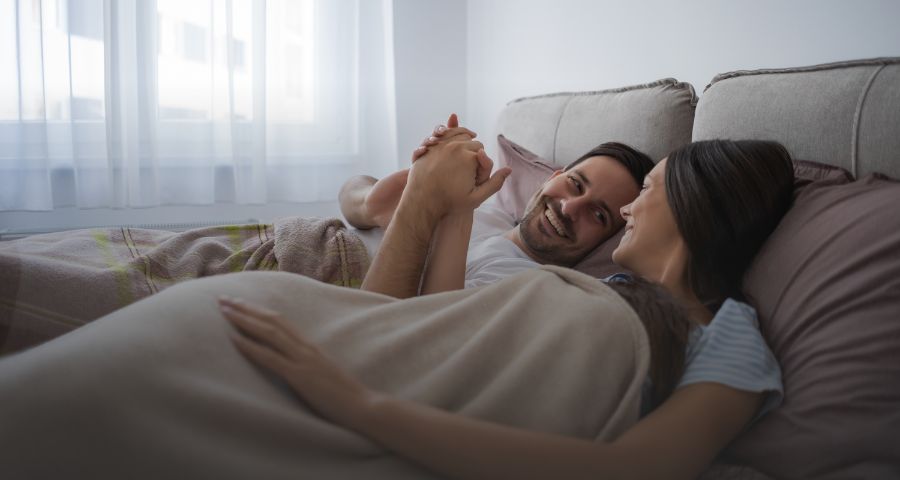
(672, 277)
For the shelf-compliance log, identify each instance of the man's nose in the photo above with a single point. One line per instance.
(571, 207)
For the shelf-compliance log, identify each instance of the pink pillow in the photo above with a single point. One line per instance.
(826, 286)
(529, 172)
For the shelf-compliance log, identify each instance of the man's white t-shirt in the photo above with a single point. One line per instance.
(491, 258)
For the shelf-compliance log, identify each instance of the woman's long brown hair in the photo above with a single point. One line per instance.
(667, 325)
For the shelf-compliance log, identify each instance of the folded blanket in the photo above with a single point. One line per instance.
(53, 283)
(157, 390)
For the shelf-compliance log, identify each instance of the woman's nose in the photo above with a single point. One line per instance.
(625, 211)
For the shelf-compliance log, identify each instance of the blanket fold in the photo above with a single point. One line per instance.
(53, 283)
(156, 389)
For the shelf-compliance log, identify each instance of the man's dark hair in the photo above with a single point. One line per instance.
(635, 161)
(727, 197)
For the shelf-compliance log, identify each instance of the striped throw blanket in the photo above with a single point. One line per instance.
(53, 283)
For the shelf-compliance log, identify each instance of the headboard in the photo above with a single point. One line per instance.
(845, 114)
(653, 117)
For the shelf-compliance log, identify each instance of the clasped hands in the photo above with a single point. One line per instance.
(451, 172)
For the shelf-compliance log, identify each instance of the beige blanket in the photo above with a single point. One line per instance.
(53, 283)
(156, 390)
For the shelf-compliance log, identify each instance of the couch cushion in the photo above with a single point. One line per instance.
(654, 117)
(827, 288)
(846, 114)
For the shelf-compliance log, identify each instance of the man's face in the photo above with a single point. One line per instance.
(576, 210)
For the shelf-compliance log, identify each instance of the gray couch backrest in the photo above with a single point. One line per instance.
(845, 114)
(654, 117)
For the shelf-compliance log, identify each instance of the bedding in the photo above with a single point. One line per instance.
(53, 283)
(827, 288)
(156, 389)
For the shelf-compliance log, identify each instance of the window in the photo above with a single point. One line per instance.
(209, 102)
(194, 42)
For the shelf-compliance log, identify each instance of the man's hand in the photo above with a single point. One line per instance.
(452, 177)
(454, 173)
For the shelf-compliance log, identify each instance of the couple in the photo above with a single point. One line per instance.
(699, 218)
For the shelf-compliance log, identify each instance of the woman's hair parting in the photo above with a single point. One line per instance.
(636, 162)
(667, 326)
(727, 197)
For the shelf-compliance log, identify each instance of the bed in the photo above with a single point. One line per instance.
(826, 286)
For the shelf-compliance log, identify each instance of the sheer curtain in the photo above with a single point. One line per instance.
(141, 103)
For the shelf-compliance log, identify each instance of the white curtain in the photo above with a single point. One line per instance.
(140, 103)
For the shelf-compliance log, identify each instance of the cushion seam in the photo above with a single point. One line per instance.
(663, 82)
(556, 130)
(813, 68)
(854, 140)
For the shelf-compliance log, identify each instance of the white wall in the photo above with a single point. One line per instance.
(430, 68)
(526, 47)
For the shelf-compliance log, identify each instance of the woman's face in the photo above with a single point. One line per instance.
(651, 245)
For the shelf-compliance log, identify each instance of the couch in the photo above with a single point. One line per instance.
(826, 283)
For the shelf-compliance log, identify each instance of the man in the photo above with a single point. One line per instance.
(571, 214)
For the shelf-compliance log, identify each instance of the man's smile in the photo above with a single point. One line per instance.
(551, 224)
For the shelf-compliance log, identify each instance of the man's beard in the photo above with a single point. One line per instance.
(559, 252)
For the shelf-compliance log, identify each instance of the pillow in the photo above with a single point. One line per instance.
(826, 285)
(529, 172)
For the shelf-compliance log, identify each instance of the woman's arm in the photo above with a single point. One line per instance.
(678, 440)
(446, 268)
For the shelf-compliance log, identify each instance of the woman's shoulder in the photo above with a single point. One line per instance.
(735, 311)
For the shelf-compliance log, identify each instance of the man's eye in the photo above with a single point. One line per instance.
(576, 183)
(600, 216)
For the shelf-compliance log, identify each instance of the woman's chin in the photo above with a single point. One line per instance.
(622, 254)
(617, 255)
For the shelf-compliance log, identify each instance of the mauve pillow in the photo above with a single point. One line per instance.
(826, 285)
(529, 172)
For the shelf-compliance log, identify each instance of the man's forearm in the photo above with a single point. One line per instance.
(397, 268)
(446, 269)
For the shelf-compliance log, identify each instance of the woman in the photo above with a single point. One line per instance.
(702, 214)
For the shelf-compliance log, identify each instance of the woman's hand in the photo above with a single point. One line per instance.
(382, 199)
(443, 134)
(268, 340)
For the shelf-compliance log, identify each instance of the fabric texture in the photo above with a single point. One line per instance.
(494, 258)
(827, 288)
(529, 172)
(156, 389)
(654, 117)
(491, 257)
(845, 114)
(731, 351)
(53, 283)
